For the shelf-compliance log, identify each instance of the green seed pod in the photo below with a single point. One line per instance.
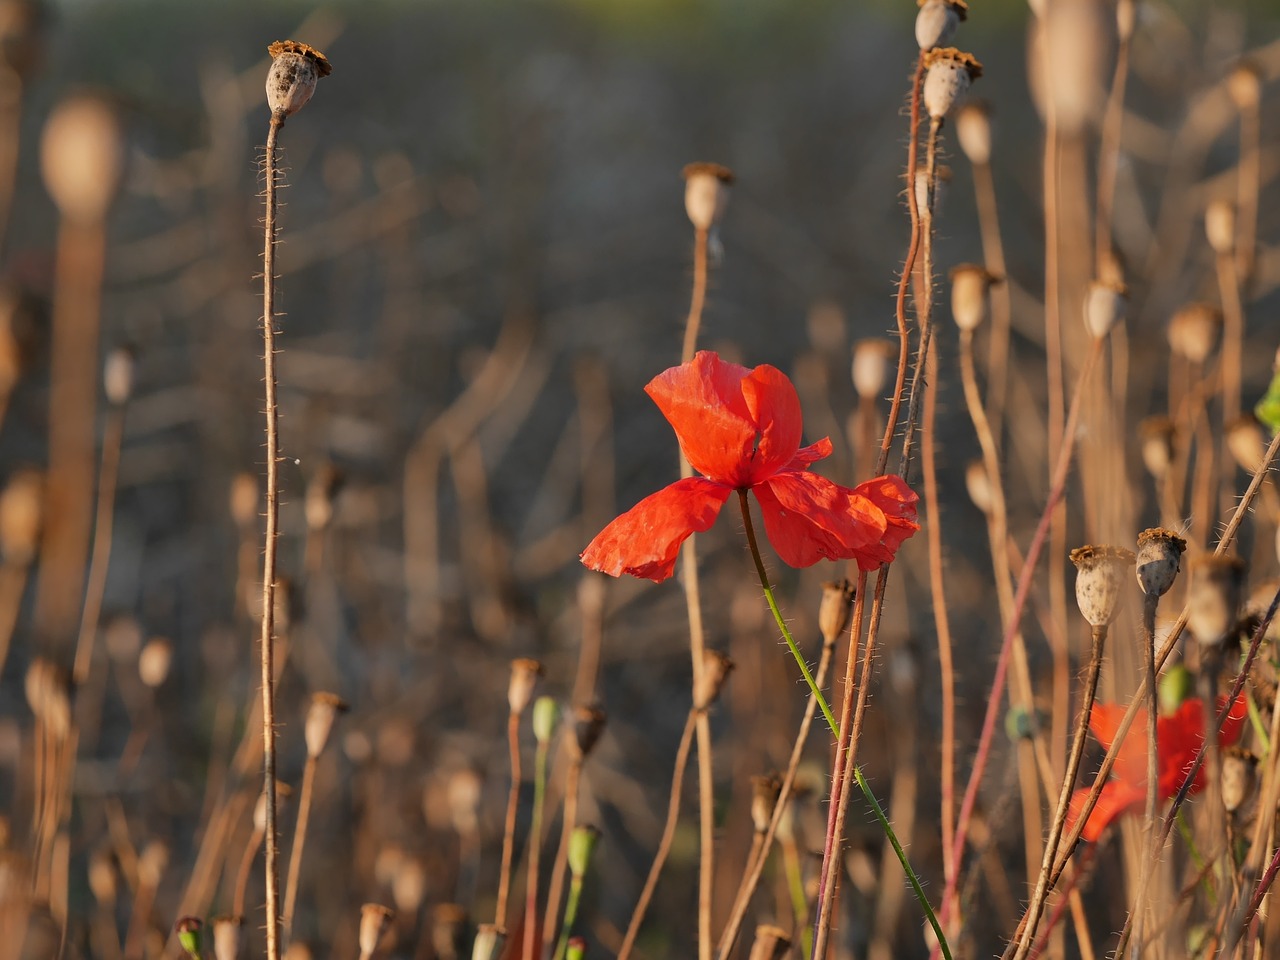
(546, 714)
(582, 843)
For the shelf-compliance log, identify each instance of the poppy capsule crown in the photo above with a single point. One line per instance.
(969, 285)
(1159, 558)
(295, 69)
(706, 193)
(1099, 575)
(949, 74)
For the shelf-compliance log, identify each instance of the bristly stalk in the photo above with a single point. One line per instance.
(509, 826)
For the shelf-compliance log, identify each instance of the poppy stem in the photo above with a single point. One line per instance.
(777, 615)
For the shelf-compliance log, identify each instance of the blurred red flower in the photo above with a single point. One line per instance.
(1178, 739)
(741, 430)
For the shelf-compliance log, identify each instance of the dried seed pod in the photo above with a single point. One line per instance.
(1104, 307)
(588, 723)
(448, 930)
(524, 677)
(582, 844)
(1220, 226)
(323, 489)
(321, 716)
(387, 864)
(489, 941)
(226, 937)
(1158, 435)
(973, 130)
(771, 943)
(464, 791)
(1239, 778)
(1126, 19)
(978, 484)
(764, 799)
(244, 500)
(374, 920)
(117, 375)
(874, 362)
(295, 69)
(937, 21)
(970, 283)
(1159, 559)
(82, 155)
(1246, 442)
(1193, 331)
(409, 886)
(835, 609)
(1073, 36)
(48, 690)
(546, 714)
(152, 863)
(949, 74)
(1213, 601)
(154, 662)
(706, 193)
(21, 517)
(715, 672)
(1100, 572)
(1244, 83)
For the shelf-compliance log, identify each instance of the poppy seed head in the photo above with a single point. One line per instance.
(1099, 575)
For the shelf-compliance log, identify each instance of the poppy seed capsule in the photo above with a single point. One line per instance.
(973, 130)
(1239, 777)
(1213, 602)
(464, 791)
(1220, 226)
(325, 484)
(764, 800)
(1099, 575)
(546, 714)
(154, 662)
(937, 20)
(488, 943)
(1159, 558)
(409, 885)
(1193, 331)
(1126, 19)
(524, 677)
(872, 360)
(706, 193)
(949, 74)
(21, 517)
(82, 154)
(1244, 83)
(321, 716)
(1246, 442)
(582, 844)
(374, 920)
(226, 937)
(1104, 307)
(978, 484)
(835, 609)
(102, 877)
(771, 943)
(969, 285)
(1158, 435)
(715, 672)
(243, 500)
(117, 376)
(588, 724)
(295, 69)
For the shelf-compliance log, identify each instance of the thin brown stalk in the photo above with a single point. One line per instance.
(509, 824)
(1001, 298)
(555, 889)
(664, 845)
(1109, 158)
(299, 841)
(246, 867)
(699, 297)
(1232, 363)
(1150, 604)
(267, 636)
(1248, 186)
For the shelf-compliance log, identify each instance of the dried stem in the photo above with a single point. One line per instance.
(299, 841)
(509, 828)
(555, 888)
(535, 850)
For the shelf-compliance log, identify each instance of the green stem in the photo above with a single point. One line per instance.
(570, 915)
(885, 825)
(777, 615)
(799, 902)
(1189, 839)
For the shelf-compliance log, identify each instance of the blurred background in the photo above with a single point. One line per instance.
(484, 257)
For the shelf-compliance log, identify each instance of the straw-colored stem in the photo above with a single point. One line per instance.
(699, 297)
(299, 841)
(1150, 604)
(246, 866)
(1041, 893)
(555, 889)
(1109, 158)
(1233, 322)
(108, 473)
(509, 827)
(535, 849)
(267, 637)
(1001, 299)
(1248, 185)
(664, 845)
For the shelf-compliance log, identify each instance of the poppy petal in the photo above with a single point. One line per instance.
(810, 454)
(703, 402)
(645, 540)
(808, 518)
(1115, 798)
(897, 502)
(775, 408)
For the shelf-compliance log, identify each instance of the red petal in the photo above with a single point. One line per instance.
(703, 402)
(645, 540)
(897, 502)
(808, 518)
(810, 454)
(775, 408)
(1116, 797)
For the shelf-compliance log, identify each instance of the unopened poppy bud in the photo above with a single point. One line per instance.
(1246, 442)
(321, 716)
(1173, 688)
(374, 920)
(1158, 434)
(1126, 19)
(576, 949)
(295, 69)
(448, 930)
(154, 662)
(949, 74)
(1104, 307)
(1159, 558)
(764, 800)
(82, 154)
(1244, 83)
(488, 943)
(588, 724)
(582, 844)
(937, 20)
(973, 130)
(835, 609)
(524, 677)
(1193, 331)
(227, 937)
(21, 517)
(706, 193)
(188, 930)
(1213, 601)
(771, 943)
(1099, 574)
(873, 361)
(969, 285)
(1220, 226)
(978, 484)
(117, 375)
(1239, 777)
(325, 484)
(715, 672)
(546, 714)
(1019, 724)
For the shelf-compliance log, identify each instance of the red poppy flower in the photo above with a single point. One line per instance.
(741, 429)
(1178, 740)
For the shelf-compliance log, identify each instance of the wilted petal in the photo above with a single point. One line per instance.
(775, 408)
(703, 402)
(897, 502)
(808, 518)
(645, 540)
